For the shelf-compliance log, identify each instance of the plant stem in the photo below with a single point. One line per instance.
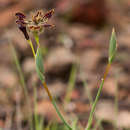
(31, 45)
(45, 85)
(35, 109)
(55, 106)
(97, 98)
(22, 80)
(47, 90)
(61, 117)
(36, 39)
(94, 105)
(98, 125)
(116, 102)
(89, 94)
(71, 83)
(106, 71)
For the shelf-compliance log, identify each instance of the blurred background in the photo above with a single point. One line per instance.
(75, 56)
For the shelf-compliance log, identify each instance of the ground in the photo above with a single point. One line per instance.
(75, 55)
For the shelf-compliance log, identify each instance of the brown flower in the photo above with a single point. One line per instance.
(37, 23)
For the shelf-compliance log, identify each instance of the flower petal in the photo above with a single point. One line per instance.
(35, 27)
(20, 16)
(48, 25)
(20, 22)
(22, 28)
(49, 14)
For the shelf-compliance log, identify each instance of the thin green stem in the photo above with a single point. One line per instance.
(60, 115)
(47, 90)
(31, 45)
(22, 80)
(97, 98)
(55, 106)
(94, 105)
(36, 39)
(74, 124)
(71, 83)
(45, 85)
(116, 99)
(19, 71)
(89, 94)
(44, 49)
(116, 102)
(98, 125)
(35, 108)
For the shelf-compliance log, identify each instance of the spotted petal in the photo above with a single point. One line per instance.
(48, 25)
(49, 14)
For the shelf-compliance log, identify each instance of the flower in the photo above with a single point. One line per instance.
(22, 24)
(36, 24)
(39, 21)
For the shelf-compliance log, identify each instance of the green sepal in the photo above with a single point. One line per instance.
(112, 47)
(39, 64)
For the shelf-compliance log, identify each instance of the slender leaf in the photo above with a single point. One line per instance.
(39, 64)
(112, 47)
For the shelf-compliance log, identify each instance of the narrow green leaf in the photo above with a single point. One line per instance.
(39, 64)
(112, 47)
(74, 124)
